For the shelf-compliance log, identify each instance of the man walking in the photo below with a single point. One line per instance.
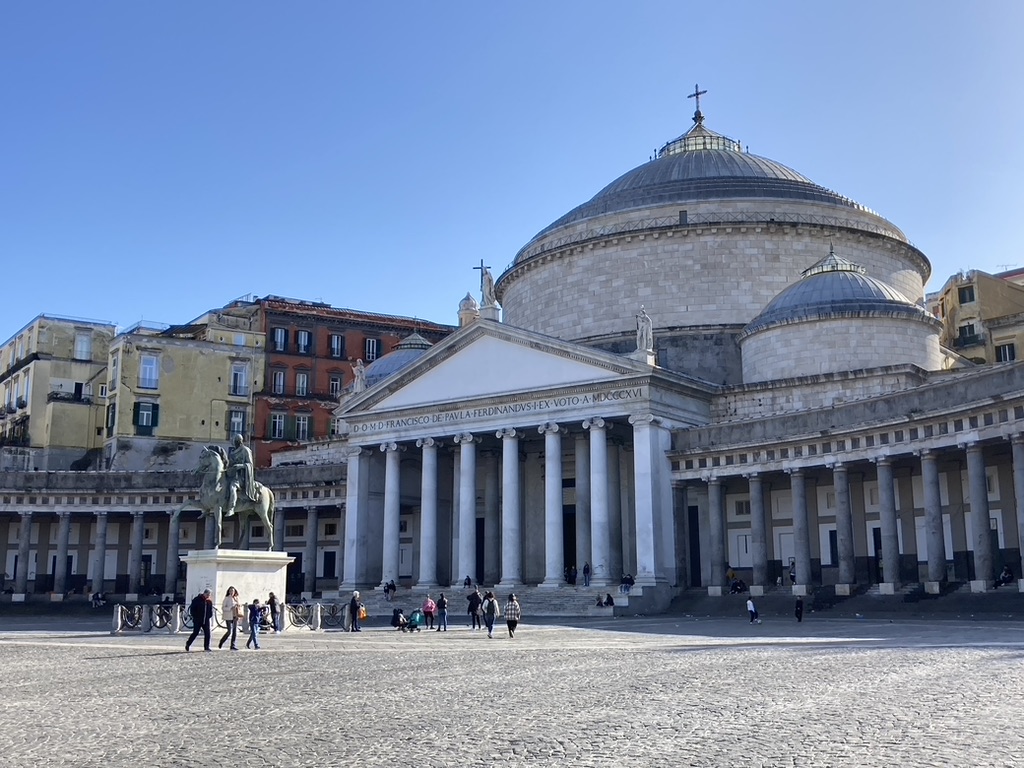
(752, 611)
(586, 574)
(201, 611)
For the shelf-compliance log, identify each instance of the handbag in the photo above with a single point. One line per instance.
(363, 613)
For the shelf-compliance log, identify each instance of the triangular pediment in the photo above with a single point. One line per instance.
(489, 359)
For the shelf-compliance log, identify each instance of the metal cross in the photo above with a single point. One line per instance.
(482, 267)
(697, 93)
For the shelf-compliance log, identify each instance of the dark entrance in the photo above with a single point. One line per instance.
(569, 539)
(478, 563)
(833, 547)
(693, 531)
(876, 562)
(293, 576)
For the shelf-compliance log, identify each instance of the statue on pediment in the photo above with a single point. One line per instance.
(644, 332)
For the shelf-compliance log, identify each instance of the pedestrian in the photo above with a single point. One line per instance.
(608, 601)
(799, 610)
(792, 571)
(201, 611)
(442, 612)
(467, 582)
(429, 606)
(491, 612)
(752, 611)
(274, 605)
(475, 609)
(255, 616)
(230, 611)
(572, 575)
(586, 574)
(354, 606)
(513, 615)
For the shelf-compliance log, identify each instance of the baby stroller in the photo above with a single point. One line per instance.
(416, 621)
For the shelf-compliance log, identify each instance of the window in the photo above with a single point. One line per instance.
(83, 345)
(277, 426)
(111, 416)
(280, 339)
(335, 386)
(337, 345)
(20, 353)
(145, 418)
(239, 339)
(966, 330)
(240, 379)
(335, 427)
(330, 529)
(278, 382)
(103, 390)
(295, 531)
(114, 360)
(258, 532)
(743, 508)
(302, 426)
(966, 294)
(149, 372)
(1005, 353)
(301, 384)
(236, 422)
(371, 349)
(303, 342)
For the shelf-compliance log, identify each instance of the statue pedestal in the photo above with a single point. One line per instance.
(253, 574)
(644, 356)
(489, 312)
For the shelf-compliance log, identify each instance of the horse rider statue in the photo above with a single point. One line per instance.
(240, 475)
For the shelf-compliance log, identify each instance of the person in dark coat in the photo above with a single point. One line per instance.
(476, 600)
(799, 610)
(353, 613)
(201, 611)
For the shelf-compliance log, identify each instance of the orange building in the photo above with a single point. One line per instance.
(311, 348)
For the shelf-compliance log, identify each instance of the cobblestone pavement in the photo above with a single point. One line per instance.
(636, 692)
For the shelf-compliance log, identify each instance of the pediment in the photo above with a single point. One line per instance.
(492, 360)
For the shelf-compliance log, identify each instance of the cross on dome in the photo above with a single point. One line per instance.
(698, 117)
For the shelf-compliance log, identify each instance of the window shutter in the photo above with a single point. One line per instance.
(156, 415)
(289, 427)
(135, 414)
(269, 430)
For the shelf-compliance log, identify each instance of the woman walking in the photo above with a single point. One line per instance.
(491, 612)
(513, 614)
(429, 606)
(231, 610)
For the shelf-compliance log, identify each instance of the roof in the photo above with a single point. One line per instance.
(407, 351)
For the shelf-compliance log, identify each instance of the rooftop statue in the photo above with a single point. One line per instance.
(644, 332)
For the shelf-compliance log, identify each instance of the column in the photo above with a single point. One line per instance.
(280, 517)
(1017, 443)
(646, 495)
(616, 565)
(467, 507)
(801, 530)
(60, 572)
(600, 534)
(980, 525)
(584, 491)
(511, 525)
(554, 558)
(135, 554)
(844, 526)
(356, 495)
(173, 544)
(492, 525)
(392, 512)
(716, 535)
(935, 540)
(100, 553)
(309, 559)
(758, 530)
(428, 512)
(24, 539)
(887, 517)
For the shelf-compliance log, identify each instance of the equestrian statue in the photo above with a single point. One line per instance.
(229, 487)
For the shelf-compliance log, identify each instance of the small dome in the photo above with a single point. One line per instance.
(469, 303)
(408, 350)
(835, 288)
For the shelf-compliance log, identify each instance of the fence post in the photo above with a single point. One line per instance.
(174, 625)
(317, 623)
(115, 626)
(148, 617)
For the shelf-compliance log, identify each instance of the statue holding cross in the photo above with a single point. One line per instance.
(487, 286)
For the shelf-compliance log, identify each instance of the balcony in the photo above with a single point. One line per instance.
(149, 383)
(239, 390)
(68, 397)
(969, 340)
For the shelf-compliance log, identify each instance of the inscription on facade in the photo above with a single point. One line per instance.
(447, 417)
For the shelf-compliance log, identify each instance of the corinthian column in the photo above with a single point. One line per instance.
(600, 535)
(428, 512)
(801, 530)
(554, 564)
(467, 506)
(356, 498)
(392, 512)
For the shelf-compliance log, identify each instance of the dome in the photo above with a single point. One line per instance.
(835, 288)
(701, 165)
(408, 350)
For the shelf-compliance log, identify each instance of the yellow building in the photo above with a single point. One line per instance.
(52, 385)
(982, 316)
(173, 390)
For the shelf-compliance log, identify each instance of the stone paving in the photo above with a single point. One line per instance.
(663, 691)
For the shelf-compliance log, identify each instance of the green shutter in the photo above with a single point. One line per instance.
(156, 415)
(135, 414)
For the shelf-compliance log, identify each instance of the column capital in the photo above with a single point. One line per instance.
(62, 513)
(752, 475)
(882, 461)
(644, 419)
(466, 437)
(427, 442)
(391, 447)
(595, 423)
(25, 513)
(549, 428)
(356, 451)
(795, 471)
(926, 453)
(138, 513)
(1017, 438)
(506, 432)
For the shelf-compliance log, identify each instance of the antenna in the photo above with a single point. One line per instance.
(1005, 267)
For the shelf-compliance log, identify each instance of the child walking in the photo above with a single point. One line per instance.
(255, 616)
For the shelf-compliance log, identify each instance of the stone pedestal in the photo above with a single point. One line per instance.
(800, 590)
(933, 587)
(714, 591)
(887, 588)
(253, 574)
(489, 312)
(643, 356)
(757, 591)
(980, 585)
(19, 597)
(56, 597)
(844, 590)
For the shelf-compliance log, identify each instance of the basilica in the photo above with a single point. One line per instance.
(712, 365)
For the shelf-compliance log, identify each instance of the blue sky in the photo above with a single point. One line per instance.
(160, 159)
